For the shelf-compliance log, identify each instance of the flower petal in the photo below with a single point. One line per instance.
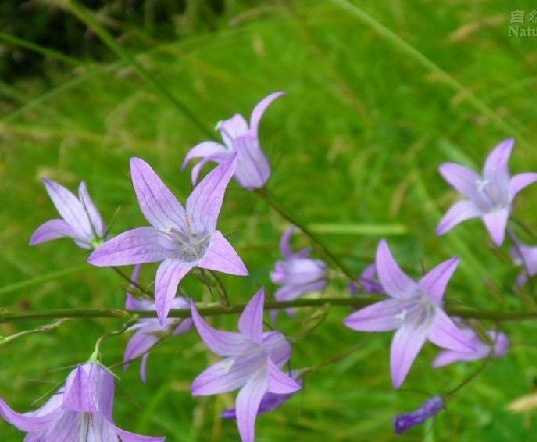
(97, 224)
(221, 256)
(496, 165)
(29, 421)
(204, 203)
(157, 202)
(381, 316)
(290, 292)
(406, 344)
(279, 382)
(70, 209)
(80, 392)
(277, 347)
(53, 229)
(434, 283)
(462, 179)
(519, 182)
(140, 343)
(496, 222)
(457, 213)
(393, 280)
(136, 246)
(247, 404)
(285, 242)
(260, 108)
(219, 342)
(169, 274)
(224, 376)
(127, 436)
(203, 150)
(251, 320)
(446, 334)
(215, 157)
(447, 357)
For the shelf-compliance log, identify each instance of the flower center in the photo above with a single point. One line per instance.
(492, 195)
(418, 311)
(188, 247)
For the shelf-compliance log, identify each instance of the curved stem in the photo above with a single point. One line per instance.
(262, 192)
(216, 310)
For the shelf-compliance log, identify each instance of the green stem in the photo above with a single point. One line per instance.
(216, 310)
(335, 260)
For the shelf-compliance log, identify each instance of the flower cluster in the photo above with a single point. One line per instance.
(184, 238)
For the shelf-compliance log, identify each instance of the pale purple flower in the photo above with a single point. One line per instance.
(296, 273)
(499, 346)
(414, 311)
(80, 219)
(525, 256)
(269, 402)
(431, 408)
(488, 196)
(253, 167)
(180, 239)
(252, 362)
(81, 410)
(368, 280)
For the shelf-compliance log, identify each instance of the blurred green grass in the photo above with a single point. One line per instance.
(356, 141)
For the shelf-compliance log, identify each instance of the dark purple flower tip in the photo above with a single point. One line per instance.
(431, 408)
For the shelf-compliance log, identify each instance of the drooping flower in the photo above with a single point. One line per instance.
(368, 280)
(253, 167)
(414, 311)
(525, 256)
(269, 402)
(79, 411)
(180, 239)
(499, 346)
(431, 408)
(80, 219)
(252, 362)
(149, 331)
(488, 196)
(296, 273)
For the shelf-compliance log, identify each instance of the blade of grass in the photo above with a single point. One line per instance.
(41, 278)
(359, 229)
(429, 65)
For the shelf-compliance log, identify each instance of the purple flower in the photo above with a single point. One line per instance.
(368, 280)
(499, 346)
(180, 239)
(414, 310)
(296, 273)
(79, 411)
(253, 168)
(252, 362)
(488, 196)
(80, 218)
(269, 402)
(404, 421)
(525, 256)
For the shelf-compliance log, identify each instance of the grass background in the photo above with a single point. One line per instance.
(357, 140)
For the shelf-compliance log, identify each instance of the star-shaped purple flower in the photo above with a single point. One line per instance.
(296, 273)
(180, 239)
(252, 362)
(79, 411)
(253, 167)
(80, 219)
(488, 196)
(499, 346)
(414, 310)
